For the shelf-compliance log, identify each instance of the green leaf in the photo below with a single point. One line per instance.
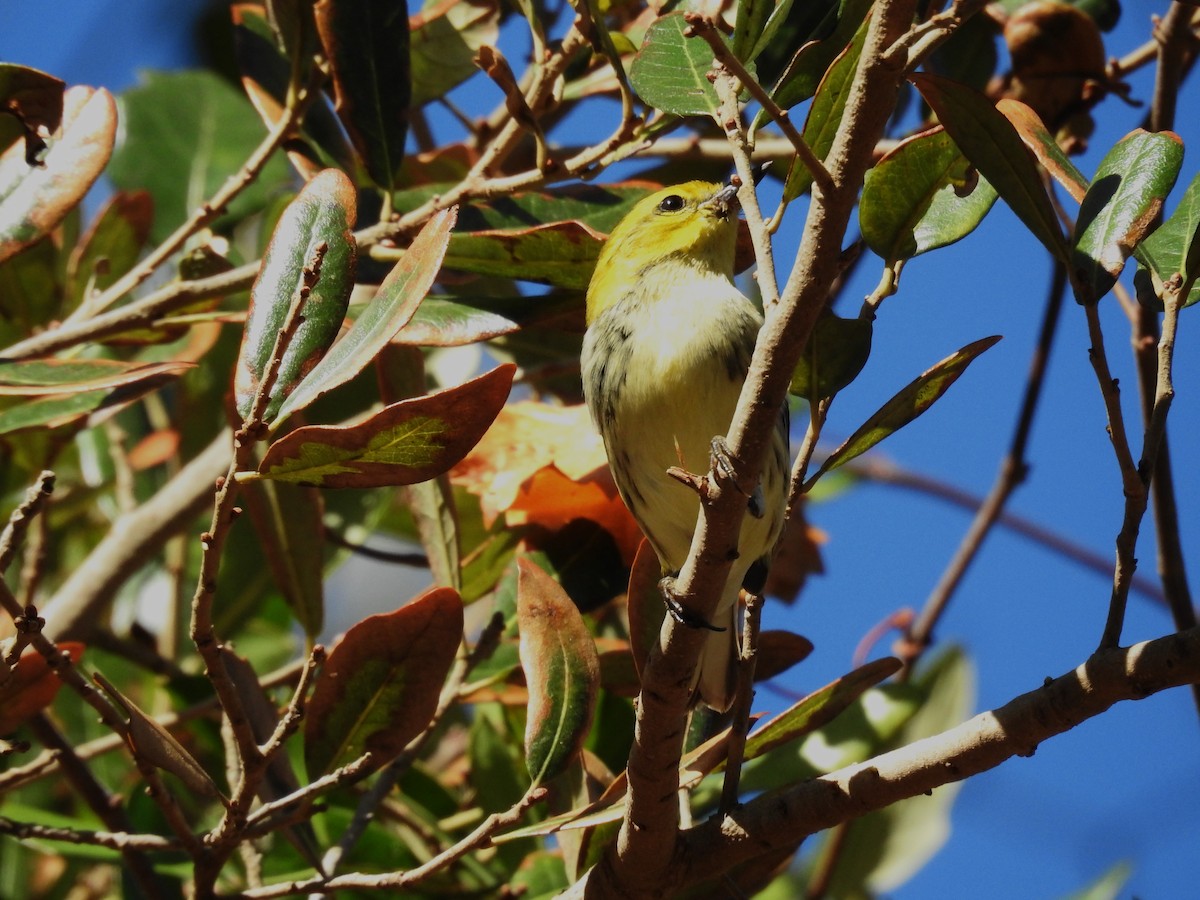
(404, 443)
(884, 849)
(111, 247)
(750, 23)
(907, 405)
(288, 523)
(562, 671)
(40, 377)
(379, 687)
(182, 135)
(993, 146)
(1107, 887)
(35, 199)
(445, 39)
(393, 305)
(61, 412)
(921, 196)
(818, 708)
(562, 254)
(1121, 207)
(366, 43)
(1173, 248)
(808, 66)
(321, 216)
(825, 114)
(836, 352)
(669, 71)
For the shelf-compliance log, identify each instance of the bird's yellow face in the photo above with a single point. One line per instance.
(692, 226)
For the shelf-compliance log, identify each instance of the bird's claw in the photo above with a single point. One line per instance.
(722, 460)
(678, 611)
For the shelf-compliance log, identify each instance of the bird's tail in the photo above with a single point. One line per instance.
(716, 673)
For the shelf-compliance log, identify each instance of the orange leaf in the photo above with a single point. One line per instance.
(32, 687)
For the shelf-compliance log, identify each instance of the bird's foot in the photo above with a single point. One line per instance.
(722, 460)
(678, 611)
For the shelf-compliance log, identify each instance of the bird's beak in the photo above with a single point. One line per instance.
(724, 202)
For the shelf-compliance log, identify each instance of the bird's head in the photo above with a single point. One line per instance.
(691, 225)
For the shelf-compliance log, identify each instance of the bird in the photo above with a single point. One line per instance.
(668, 344)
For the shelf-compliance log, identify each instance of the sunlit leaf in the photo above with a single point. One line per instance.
(669, 70)
(921, 196)
(61, 411)
(907, 405)
(406, 442)
(379, 687)
(995, 148)
(320, 217)
(562, 671)
(391, 308)
(35, 199)
(562, 254)
(1038, 139)
(454, 320)
(366, 44)
(1173, 248)
(1121, 207)
(825, 114)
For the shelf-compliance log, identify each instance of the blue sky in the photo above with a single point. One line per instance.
(1122, 786)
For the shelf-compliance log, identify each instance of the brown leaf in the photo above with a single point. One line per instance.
(32, 686)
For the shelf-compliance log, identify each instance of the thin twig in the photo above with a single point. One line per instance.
(740, 724)
(702, 26)
(477, 838)
(13, 536)
(115, 840)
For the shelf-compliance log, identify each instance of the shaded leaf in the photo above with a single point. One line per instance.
(835, 353)
(111, 246)
(562, 254)
(1173, 248)
(366, 44)
(31, 686)
(778, 651)
(183, 152)
(266, 72)
(35, 100)
(321, 216)
(453, 320)
(40, 377)
(810, 63)
(153, 743)
(444, 40)
(380, 685)
(1038, 139)
(819, 707)
(825, 114)
(907, 405)
(35, 199)
(922, 195)
(406, 442)
(993, 146)
(288, 521)
(562, 671)
(669, 70)
(1121, 207)
(646, 607)
(74, 409)
(390, 309)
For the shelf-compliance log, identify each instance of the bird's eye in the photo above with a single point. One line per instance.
(671, 203)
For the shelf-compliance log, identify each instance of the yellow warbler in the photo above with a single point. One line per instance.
(668, 344)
